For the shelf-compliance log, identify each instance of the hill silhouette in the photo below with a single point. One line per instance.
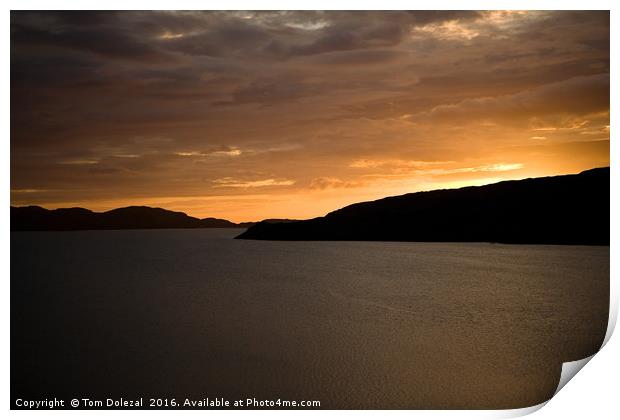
(566, 209)
(133, 217)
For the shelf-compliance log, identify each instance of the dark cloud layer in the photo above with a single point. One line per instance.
(241, 113)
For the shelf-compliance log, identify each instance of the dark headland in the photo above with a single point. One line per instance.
(566, 209)
(134, 217)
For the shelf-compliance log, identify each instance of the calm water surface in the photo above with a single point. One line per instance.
(194, 313)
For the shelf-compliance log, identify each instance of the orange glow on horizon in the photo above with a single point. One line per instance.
(310, 203)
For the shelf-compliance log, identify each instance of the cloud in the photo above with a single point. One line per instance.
(450, 30)
(377, 57)
(577, 96)
(325, 182)
(334, 41)
(360, 30)
(377, 163)
(236, 183)
(407, 168)
(106, 42)
(216, 40)
(495, 167)
(214, 152)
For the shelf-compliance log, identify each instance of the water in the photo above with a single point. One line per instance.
(196, 314)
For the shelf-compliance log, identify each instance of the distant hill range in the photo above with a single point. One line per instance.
(134, 217)
(567, 209)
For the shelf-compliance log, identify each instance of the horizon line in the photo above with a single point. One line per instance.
(286, 218)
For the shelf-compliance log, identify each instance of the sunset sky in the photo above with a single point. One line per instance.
(253, 115)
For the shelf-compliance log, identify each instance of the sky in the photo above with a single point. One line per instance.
(254, 115)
